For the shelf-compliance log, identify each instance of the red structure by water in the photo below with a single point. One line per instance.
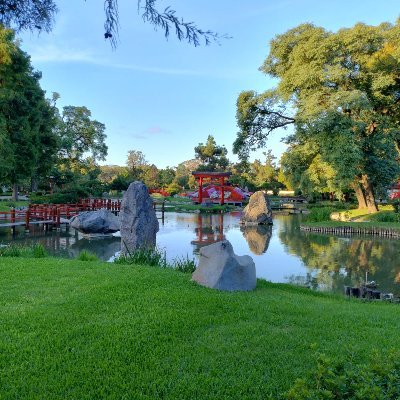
(213, 188)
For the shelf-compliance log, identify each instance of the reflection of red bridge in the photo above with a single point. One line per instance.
(54, 215)
(394, 192)
(208, 234)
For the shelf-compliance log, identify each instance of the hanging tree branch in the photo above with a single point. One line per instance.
(38, 15)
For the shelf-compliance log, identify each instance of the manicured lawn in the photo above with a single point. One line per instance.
(369, 224)
(92, 330)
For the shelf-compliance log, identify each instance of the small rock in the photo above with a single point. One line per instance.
(220, 268)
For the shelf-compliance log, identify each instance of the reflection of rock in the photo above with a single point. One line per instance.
(220, 268)
(257, 237)
(258, 211)
(139, 223)
(101, 221)
(104, 248)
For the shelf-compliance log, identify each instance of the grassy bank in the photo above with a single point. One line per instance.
(92, 330)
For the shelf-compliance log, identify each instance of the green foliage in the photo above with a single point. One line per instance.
(212, 156)
(343, 103)
(35, 251)
(71, 195)
(350, 379)
(384, 216)
(319, 214)
(86, 255)
(396, 206)
(153, 257)
(184, 264)
(28, 141)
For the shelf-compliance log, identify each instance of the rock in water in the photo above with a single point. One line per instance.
(139, 223)
(258, 211)
(100, 221)
(220, 268)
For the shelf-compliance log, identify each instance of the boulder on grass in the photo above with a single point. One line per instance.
(95, 222)
(220, 268)
(258, 211)
(139, 224)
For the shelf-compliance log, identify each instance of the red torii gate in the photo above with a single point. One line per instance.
(212, 176)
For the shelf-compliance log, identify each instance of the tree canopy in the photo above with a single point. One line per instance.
(340, 90)
(28, 142)
(211, 156)
(37, 15)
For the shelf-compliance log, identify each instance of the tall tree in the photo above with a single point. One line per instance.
(212, 156)
(338, 89)
(82, 141)
(27, 139)
(37, 15)
(136, 162)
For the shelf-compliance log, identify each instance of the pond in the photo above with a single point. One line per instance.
(282, 253)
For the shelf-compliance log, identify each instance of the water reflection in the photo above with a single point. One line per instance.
(257, 237)
(282, 253)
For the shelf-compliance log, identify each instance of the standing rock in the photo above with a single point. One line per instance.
(139, 223)
(258, 211)
(220, 268)
(100, 222)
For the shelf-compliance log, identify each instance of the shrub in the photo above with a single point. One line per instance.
(39, 251)
(396, 206)
(385, 216)
(319, 214)
(185, 265)
(10, 251)
(86, 255)
(348, 379)
(154, 257)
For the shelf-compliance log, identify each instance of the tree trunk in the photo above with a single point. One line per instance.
(369, 194)
(34, 184)
(362, 203)
(15, 192)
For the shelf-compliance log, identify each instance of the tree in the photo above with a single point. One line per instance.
(27, 140)
(136, 161)
(37, 15)
(212, 156)
(340, 90)
(82, 141)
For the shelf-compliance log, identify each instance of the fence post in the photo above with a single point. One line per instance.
(27, 216)
(12, 214)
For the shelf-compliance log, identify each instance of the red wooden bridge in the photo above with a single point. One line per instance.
(54, 215)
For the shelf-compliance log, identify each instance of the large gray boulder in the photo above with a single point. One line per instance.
(258, 211)
(95, 222)
(139, 224)
(220, 268)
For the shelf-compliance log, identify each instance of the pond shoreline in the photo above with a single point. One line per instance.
(353, 229)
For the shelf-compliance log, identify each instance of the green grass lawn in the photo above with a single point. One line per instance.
(94, 330)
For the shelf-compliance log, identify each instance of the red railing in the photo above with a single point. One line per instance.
(53, 213)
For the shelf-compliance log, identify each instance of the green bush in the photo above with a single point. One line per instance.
(185, 265)
(320, 214)
(154, 257)
(39, 251)
(13, 250)
(396, 206)
(385, 216)
(379, 379)
(86, 255)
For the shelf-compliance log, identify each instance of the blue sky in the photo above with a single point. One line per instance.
(165, 97)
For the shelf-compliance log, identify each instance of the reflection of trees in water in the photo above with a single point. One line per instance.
(257, 237)
(344, 260)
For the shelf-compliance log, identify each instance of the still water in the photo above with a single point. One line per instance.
(282, 253)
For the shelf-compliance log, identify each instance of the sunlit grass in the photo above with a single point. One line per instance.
(92, 330)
